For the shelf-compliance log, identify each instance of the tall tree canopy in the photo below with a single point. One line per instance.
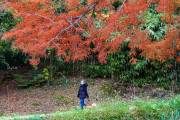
(79, 28)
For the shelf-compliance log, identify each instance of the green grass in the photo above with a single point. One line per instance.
(120, 110)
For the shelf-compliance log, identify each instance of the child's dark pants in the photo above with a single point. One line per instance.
(81, 103)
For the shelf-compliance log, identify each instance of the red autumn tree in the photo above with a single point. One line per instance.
(82, 23)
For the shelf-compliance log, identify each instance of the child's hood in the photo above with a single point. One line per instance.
(84, 85)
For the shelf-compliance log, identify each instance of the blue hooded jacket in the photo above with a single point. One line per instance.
(82, 93)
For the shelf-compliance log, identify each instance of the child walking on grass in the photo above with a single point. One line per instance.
(82, 93)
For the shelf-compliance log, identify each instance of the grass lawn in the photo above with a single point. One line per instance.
(119, 110)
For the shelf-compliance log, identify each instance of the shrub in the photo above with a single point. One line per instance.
(7, 21)
(96, 70)
(9, 57)
(24, 81)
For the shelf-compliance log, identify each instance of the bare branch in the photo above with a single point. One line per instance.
(89, 8)
(121, 7)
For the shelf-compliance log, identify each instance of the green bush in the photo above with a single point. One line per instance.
(63, 81)
(96, 70)
(142, 73)
(7, 21)
(28, 80)
(9, 57)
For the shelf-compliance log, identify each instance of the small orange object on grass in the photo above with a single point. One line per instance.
(90, 105)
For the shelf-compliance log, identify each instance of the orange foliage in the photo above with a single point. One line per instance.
(167, 7)
(41, 28)
(178, 44)
(178, 59)
(161, 50)
(34, 61)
